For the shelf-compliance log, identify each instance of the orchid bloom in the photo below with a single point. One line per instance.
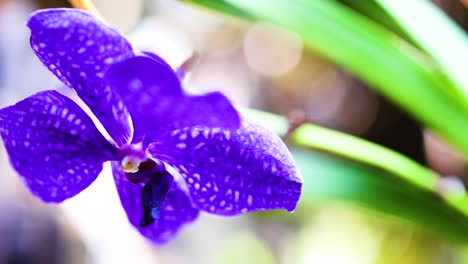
(172, 154)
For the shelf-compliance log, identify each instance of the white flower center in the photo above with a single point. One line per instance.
(131, 163)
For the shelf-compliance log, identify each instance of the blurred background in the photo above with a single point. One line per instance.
(256, 65)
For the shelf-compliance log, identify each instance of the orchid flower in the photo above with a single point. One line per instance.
(173, 155)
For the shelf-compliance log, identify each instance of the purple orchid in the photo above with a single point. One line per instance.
(172, 154)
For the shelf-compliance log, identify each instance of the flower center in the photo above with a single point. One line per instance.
(134, 156)
(143, 172)
(136, 164)
(131, 163)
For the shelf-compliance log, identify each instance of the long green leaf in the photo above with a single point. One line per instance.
(439, 36)
(355, 170)
(328, 178)
(374, 12)
(388, 63)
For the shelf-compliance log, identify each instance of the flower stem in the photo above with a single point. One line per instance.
(87, 5)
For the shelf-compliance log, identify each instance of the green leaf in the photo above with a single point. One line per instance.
(344, 167)
(434, 32)
(381, 58)
(328, 177)
(374, 12)
(353, 169)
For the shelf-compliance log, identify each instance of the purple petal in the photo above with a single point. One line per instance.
(232, 171)
(176, 211)
(53, 145)
(157, 58)
(78, 49)
(157, 103)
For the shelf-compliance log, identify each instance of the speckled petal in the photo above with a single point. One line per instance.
(53, 145)
(177, 209)
(232, 171)
(153, 94)
(78, 49)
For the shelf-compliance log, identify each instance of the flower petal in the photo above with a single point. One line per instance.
(157, 103)
(78, 49)
(53, 145)
(232, 171)
(156, 58)
(176, 209)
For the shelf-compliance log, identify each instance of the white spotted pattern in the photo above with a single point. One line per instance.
(78, 49)
(56, 156)
(233, 171)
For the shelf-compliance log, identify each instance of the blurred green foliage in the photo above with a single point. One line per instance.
(382, 43)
